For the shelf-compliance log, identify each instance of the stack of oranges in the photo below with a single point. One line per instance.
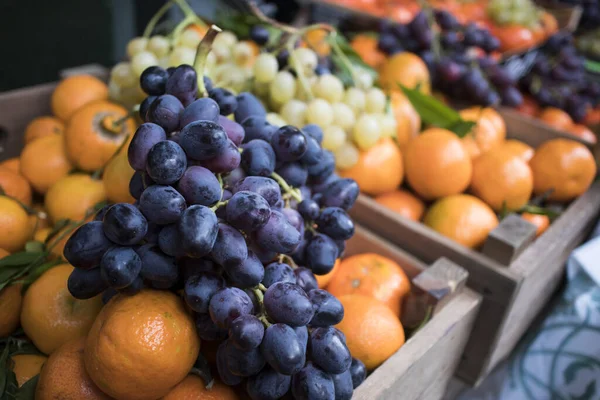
(460, 186)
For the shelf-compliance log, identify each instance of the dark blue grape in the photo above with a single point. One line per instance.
(500, 76)
(200, 288)
(473, 36)
(198, 185)
(342, 384)
(227, 304)
(203, 140)
(341, 193)
(257, 127)
(322, 70)
(145, 106)
(134, 288)
(449, 70)
(324, 168)
(230, 247)
(169, 241)
(224, 373)
(136, 185)
(120, 266)
(198, 227)
(248, 105)
(312, 383)
(208, 83)
(313, 152)
(222, 211)
(389, 44)
(247, 211)
(358, 371)
(321, 253)
(400, 31)
(341, 245)
(233, 130)
(203, 109)
(157, 266)
(243, 363)
(246, 332)
(259, 35)
(288, 303)
(258, 158)
(329, 351)
(278, 272)
(314, 131)
(124, 224)
(266, 187)
(226, 100)
(207, 330)
(294, 173)
(336, 223)
(153, 80)
(162, 204)
(277, 234)
(511, 96)
(289, 143)
(491, 43)
(85, 284)
(166, 162)
(268, 385)
(302, 333)
(282, 349)
(87, 245)
(194, 266)
(446, 20)
(183, 84)
(228, 160)
(248, 273)
(294, 218)
(328, 309)
(282, 58)
(165, 111)
(305, 278)
(309, 209)
(146, 136)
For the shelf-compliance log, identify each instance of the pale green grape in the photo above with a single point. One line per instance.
(375, 101)
(164, 62)
(294, 112)
(159, 45)
(261, 89)
(330, 88)
(346, 156)
(122, 75)
(222, 53)
(355, 99)
(136, 45)
(364, 80)
(283, 87)
(388, 125)
(181, 55)
(343, 116)
(275, 119)
(211, 64)
(319, 112)
(242, 53)
(114, 91)
(190, 38)
(306, 58)
(366, 131)
(333, 137)
(265, 68)
(141, 61)
(225, 39)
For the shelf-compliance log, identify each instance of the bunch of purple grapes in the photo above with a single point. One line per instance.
(558, 78)
(457, 56)
(240, 215)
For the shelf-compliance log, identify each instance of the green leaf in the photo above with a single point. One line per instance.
(8, 380)
(592, 66)
(7, 274)
(531, 209)
(462, 127)
(34, 246)
(36, 272)
(20, 259)
(27, 391)
(341, 68)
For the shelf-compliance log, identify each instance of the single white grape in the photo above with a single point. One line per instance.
(375, 101)
(366, 131)
(242, 53)
(190, 38)
(222, 53)
(294, 112)
(355, 99)
(388, 125)
(181, 55)
(239, 80)
(159, 45)
(225, 39)
(330, 88)
(301, 93)
(306, 58)
(333, 137)
(136, 45)
(343, 116)
(283, 87)
(346, 156)
(211, 63)
(122, 75)
(260, 89)
(265, 68)
(319, 112)
(364, 80)
(275, 119)
(141, 61)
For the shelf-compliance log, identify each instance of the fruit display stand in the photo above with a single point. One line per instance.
(515, 273)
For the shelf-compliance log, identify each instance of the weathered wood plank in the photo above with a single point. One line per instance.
(508, 240)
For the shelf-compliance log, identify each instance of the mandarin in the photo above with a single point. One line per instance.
(405, 69)
(73, 197)
(74, 92)
(15, 228)
(404, 203)
(194, 388)
(43, 126)
(11, 302)
(44, 162)
(15, 185)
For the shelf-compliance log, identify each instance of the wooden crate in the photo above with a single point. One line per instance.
(515, 274)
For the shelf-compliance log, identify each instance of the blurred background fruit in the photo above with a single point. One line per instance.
(193, 387)
(43, 126)
(15, 185)
(14, 221)
(73, 197)
(74, 92)
(404, 203)
(44, 162)
(11, 301)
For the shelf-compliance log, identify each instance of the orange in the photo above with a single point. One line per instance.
(405, 69)
(373, 332)
(323, 280)
(43, 126)
(366, 47)
(116, 177)
(27, 366)
(583, 132)
(51, 316)
(556, 118)
(542, 222)
(379, 169)
(437, 164)
(141, 346)
(15, 228)
(15, 185)
(11, 301)
(44, 162)
(3, 253)
(194, 388)
(489, 131)
(513, 37)
(404, 203)
(14, 164)
(502, 179)
(92, 137)
(74, 92)
(463, 218)
(73, 196)
(316, 39)
(564, 165)
(42, 234)
(408, 121)
(64, 377)
(519, 149)
(371, 275)
(529, 106)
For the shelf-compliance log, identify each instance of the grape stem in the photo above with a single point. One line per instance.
(156, 17)
(201, 55)
(298, 68)
(219, 205)
(290, 261)
(287, 188)
(189, 12)
(336, 48)
(262, 287)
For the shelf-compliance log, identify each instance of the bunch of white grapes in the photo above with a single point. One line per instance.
(229, 64)
(352, 118)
